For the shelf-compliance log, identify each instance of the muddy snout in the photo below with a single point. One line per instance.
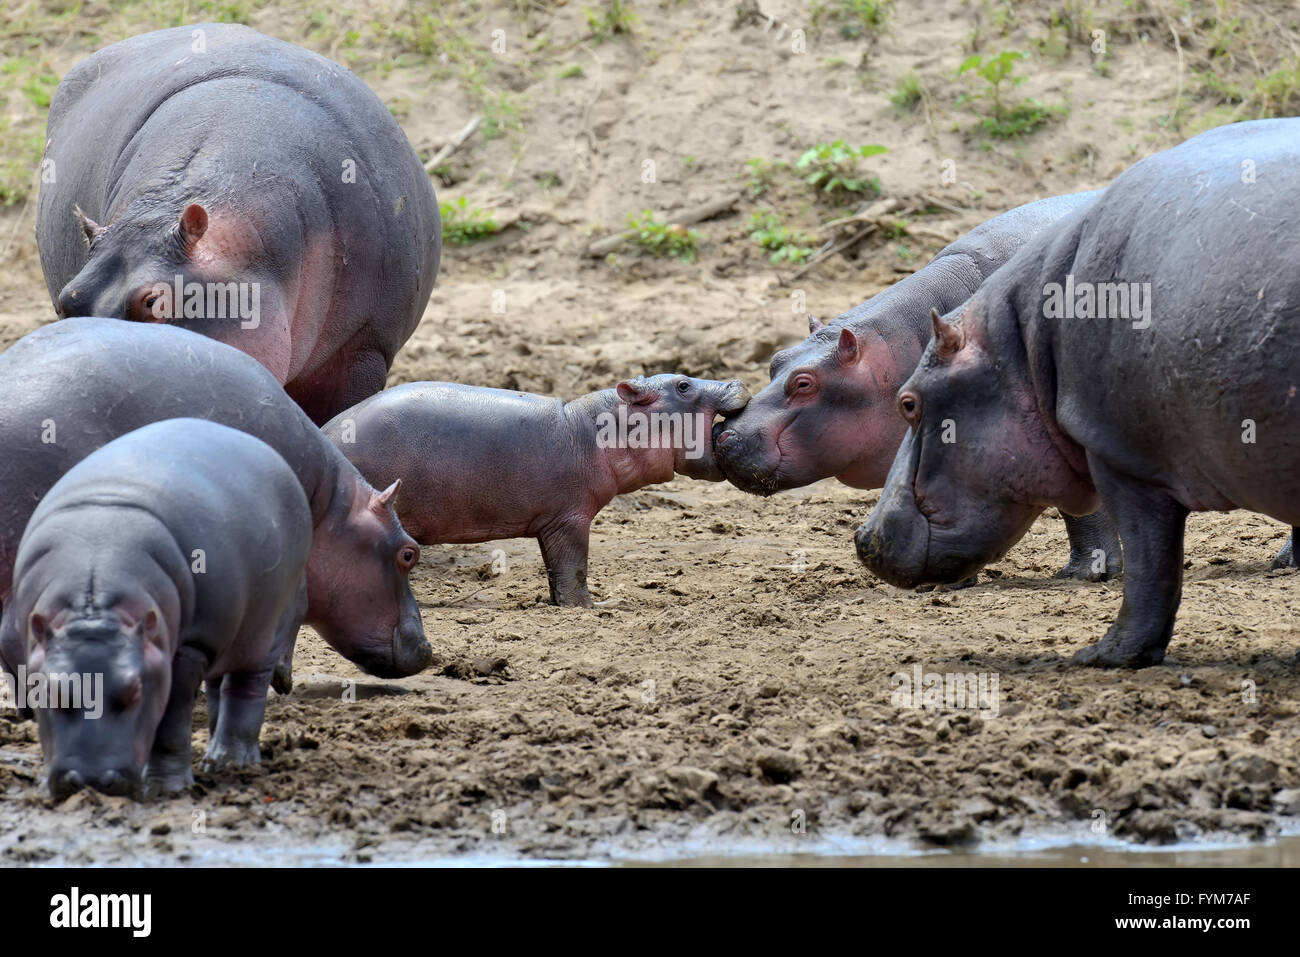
(732, 397)
(67, 780)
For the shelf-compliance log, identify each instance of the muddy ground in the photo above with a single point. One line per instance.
(737, 690)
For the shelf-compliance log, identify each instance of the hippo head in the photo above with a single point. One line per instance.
(977, 465)
(828, 411)
(106, 682)
(359, 595)
(684, 408)
(133, 266)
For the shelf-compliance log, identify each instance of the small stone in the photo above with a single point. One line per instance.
(777, 766)
(1209, 730)
(160, 825)
(1287, 801)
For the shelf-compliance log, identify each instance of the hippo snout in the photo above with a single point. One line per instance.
(734, 397)
(69, 303)
(412, 652)
(65, 782)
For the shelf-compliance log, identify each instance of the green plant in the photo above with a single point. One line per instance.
(832, 169)
(998, 72)
(1277, 93)
(663, 239)
(463, 224)
(783, 243)
(760, 174)
(571, 72)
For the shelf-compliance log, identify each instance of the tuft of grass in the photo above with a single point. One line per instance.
(571, 72)
(832, 170)
(463, 224)
(782, 243)
(614, 18)
(909, 93)
(663, 239)
(856, 18)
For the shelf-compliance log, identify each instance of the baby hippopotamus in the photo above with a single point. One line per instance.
(480, 464)
(132, 579)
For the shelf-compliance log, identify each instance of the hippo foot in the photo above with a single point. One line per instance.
(1285, 558)
(1083, 568)
(282, 677)
(230, 754)
(1114, 652)
(162, 784)
(951, 586)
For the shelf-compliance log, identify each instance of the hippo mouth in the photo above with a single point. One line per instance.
(741, 461)
(408, 653)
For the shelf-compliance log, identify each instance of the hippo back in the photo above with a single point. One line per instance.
(69, 388)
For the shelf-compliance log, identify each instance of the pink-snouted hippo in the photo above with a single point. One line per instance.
(245, 188)
(482, 464)
(73, 386)
(830, 408)
(143, 572)
(1141, 355)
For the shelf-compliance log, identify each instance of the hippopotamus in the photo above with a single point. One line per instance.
(829, 409)
(1141, 355)
(73, 386)
(133, 577)
(480, 464)
(245, 188)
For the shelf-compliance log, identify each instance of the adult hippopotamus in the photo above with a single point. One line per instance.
(830, 407)
(73, 386)
(245, 188)
(1141, 355)
(480, 464)
(137, 577)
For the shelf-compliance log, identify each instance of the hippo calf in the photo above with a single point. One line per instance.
(73, 386)
(481, 464)
(233, 184)
(131, 574)
(830, 408)
(1142, 355)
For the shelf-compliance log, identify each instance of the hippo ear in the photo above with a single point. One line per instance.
(193, 224)
(383, 499)
(949, 336)
(846, 351)
(151, 627)
(634, 392)
(89, 228)
(814, 324)
(38, 630)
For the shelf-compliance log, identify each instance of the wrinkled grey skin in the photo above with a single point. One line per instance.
(73, 386)
(481, 464)
(1067, 412)
(222, 155)
(831, 407)
(147, 566)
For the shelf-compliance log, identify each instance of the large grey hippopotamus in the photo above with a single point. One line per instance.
(73, 386)
(245, 188)
(481, 464)
(135, 578)
(830, 408)
(1140, 355)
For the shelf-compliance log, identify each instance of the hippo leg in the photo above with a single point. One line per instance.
(564, 550)
(212, 692)
(1151, 524)
(239, 721)
(1095, 552)
(282, 676)
(169, 768)
(1286, 557)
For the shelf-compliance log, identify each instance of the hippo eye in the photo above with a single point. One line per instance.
(802, 385)
(408, 556)
(683, 387)
(909, 407)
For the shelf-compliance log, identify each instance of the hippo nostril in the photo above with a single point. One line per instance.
(722, 438)
(68, 782)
